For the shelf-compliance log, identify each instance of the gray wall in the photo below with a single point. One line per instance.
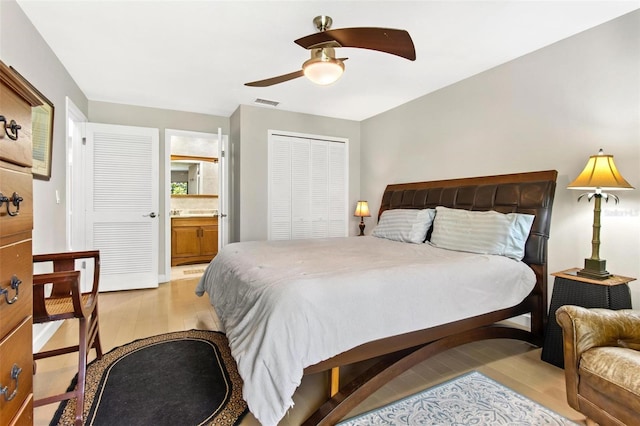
(550, 109)
(130, 115)
(250, 126)
(22, 47)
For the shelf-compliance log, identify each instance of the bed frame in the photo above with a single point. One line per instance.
(530, 193)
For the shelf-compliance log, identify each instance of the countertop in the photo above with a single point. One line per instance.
(193, 213)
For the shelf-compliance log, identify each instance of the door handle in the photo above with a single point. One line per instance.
(151, 215)
(222, 215)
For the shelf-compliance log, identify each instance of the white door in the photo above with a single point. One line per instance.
(122, 204)
(223, 190)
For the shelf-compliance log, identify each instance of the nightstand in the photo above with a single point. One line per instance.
(572, 289)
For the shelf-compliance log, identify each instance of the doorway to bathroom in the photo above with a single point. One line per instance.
(197, 188)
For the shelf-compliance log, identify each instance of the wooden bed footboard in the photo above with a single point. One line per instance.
(530, 193)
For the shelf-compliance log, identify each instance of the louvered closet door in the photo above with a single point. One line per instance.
(307, 188)
(300, 196)
(122, 204)
(319, 189)
(337, 190)
(279, 189)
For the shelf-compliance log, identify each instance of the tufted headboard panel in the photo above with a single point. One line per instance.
(530, 193)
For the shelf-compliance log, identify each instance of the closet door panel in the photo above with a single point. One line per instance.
(300, 184)
(319, 189)
(279, 189)
(337, 190)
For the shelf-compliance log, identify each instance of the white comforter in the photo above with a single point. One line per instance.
(286, 305)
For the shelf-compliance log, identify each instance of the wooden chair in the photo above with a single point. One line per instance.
(67, 301)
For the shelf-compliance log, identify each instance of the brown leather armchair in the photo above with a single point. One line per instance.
(602, 363)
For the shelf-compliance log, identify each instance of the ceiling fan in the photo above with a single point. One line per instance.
(324, 68)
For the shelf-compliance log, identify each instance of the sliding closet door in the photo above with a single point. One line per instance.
(308, 183)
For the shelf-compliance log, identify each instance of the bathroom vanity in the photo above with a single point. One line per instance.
(194, 238)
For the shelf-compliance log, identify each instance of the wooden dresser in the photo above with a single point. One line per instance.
(16, 268)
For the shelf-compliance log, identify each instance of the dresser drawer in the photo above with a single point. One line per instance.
(15, 261)
(13, 107)
(16, 353)
(22, 184)
(25, 415)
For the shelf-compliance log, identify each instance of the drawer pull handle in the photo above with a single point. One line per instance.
(15, 200)
(12, 129)
(15, 283)
(4, 390)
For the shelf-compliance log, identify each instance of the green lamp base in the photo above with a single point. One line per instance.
(595, 268)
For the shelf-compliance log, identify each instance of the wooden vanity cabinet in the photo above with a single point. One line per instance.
(16, 259)
(193, 240)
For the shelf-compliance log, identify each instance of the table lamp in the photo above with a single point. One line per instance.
(600, 174)
(362, 211)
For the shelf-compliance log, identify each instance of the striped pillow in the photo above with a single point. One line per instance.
(487, 232)
(406, 225)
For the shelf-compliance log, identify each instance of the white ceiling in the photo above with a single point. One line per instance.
(197, 55)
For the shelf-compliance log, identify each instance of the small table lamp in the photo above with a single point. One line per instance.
(362, 211)
(600, 174)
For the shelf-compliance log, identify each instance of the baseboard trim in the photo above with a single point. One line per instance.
(42, 333)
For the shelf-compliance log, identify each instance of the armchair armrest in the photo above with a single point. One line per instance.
(600, 327)
(584, 329)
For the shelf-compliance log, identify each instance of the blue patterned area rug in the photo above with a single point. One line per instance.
(471, 399)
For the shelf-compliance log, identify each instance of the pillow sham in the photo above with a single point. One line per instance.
(405, 225)
(484, 232)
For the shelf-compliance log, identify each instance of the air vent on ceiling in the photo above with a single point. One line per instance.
(266, 102)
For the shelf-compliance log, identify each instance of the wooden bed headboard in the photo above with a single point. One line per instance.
(530, 193)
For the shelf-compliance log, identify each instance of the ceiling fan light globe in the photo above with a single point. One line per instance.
(323, 71)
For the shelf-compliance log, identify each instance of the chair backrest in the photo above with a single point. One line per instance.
(66, 261)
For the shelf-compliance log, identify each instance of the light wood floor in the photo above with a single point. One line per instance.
(130, 315)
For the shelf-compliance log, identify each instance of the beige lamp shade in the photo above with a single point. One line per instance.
(362, 209)
(600, 173)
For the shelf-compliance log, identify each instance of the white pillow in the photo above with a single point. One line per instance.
(406, 225)
(487, 232)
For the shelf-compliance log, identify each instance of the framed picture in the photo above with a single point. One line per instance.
(41, 133)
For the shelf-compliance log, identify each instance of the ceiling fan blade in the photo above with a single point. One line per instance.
(276, 80)
(388, 40)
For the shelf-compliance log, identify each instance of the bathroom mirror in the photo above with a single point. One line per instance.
(194, 176)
